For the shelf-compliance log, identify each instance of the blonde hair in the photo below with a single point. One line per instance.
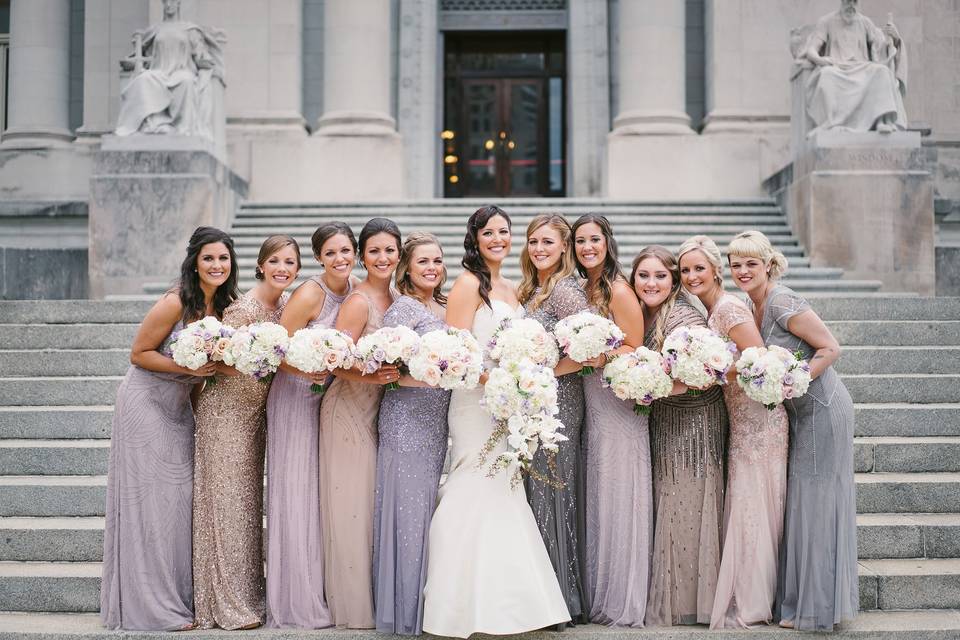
(564, 269)
(666, 258)
(709, 249)
(753, 244)
(402, 275)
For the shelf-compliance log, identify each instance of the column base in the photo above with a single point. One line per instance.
(737, 121)
(36, 138)
(355, 123)
(652, 123)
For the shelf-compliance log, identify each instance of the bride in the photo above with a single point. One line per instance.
(487, 570)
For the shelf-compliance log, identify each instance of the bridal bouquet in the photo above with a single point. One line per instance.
(448, 358)
(312, 350)
(640, 376)
(585, 335)
(387, 345)
(200, 342)
(772, 374)
(519, 338)
(257, 349)
(520, 388)
(698, 357)
(526, 434)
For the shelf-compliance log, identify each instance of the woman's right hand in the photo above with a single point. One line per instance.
(318, 377)
(678, 388)
(386, 374)
(207, 370)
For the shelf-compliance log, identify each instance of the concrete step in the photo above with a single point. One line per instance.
(886, 307)
(896, 419)
(58, 336)
(894, 584)
(892, 333)
(69, 421)
(907, 535)
(34, 539)
(908, 492)
(911, 359)
(914, 387)
(54, 457)
(65, 496)
(60, 390)
(905, 454)
(50, 586)
(453, 223)
(66, 362)
(73, 311)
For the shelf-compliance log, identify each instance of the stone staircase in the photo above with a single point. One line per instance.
(61, 362)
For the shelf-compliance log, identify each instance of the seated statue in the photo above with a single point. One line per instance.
(174, 65)
(859, 73)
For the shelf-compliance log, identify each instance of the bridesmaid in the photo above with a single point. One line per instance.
(231, 421)
(549, 292)
(756, 458)
(817, 580)
(687, 435)
(348, 439)
(295, 594)
(619, 487)
(413, 441)
(147, 581)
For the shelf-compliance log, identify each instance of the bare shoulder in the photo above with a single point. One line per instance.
(622, 293)
(168, 307)
(308, 294)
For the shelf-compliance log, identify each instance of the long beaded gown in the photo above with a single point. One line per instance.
(147, 581)
(817, 583)
(295, 592)
(687, 440)
(560, 512)
(348, 472)
(413, 441)
(231, 418)
(756, 488)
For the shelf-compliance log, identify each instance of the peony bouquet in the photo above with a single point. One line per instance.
(698, 357)
(640, 376)
(772, 374)
(585, 335)
(313, 350)
(387, 345)
(200, 342)
(448, 358)
(523, 338)
(257, 349)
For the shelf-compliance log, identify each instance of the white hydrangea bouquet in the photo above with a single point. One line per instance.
(200, 342)
(640, 376)
(316, 349)
(772, 374)
(257, 349)
(519, 338)
(387, 345)
(520, 388)
(585, 335)
(698, 357)
(448, 358)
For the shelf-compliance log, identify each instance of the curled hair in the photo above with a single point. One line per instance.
(191, 294)
(600, 295)
(375, 226)
(528, 286)
(270, 246)
(404, 285)
(709, 249)
(326, 231)
(472, 261)
(666, 258)
(753, 244)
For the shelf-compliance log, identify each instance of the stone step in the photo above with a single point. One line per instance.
(60, 390)
(455, 223)
(77, 457)
(50, 586)
(886, 307)
(895, 332)
(66, 362)
(915, 387)
(908, 492)
(69, 421)
(525, 208)
(906, 454)
(37, 539)
(894, 584)
(895, 419)
(906, 535)
(65, 496)
(58, 336)
(73, 311)
(912, 359)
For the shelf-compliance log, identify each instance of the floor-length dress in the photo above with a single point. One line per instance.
(817, 581)
(231, 418)
(413, 441)
(756, 488)
(687, 434)
(560, 511)
(147, 582)
(348, 472)
(488, 570)
(295, 591)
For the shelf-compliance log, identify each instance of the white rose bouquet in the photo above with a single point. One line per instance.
(387, 345)
(772, 374)
(640, 376)
(698, 357)
(519, 338)
(199, 342)
(448, 358)
(585, 335)
(521, 388)
(257, 349)
(312, 350)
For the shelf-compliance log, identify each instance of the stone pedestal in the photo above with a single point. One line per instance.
(144, 204)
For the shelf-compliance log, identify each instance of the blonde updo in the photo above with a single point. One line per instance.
(710, 249)
(753, 244)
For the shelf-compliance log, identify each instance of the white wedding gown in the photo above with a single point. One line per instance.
(488, 570)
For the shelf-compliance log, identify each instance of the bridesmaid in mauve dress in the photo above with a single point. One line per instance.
(228, 469)
(413, 442)
(295, 593)
(619, 486)
(756, 458)
(146, 581)
(550, 293)
(348, 439)
(687, 434)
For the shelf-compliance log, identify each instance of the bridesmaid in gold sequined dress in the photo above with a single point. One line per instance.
(228, 473)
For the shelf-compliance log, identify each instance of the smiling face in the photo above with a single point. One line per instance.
(545, 248)
(590, 246)
(213, 264)
(698, 276)
(652, 282)
(426, 269)
(749, 273)
(493, 239)
(337, 256)
(380, 255)
(280, 268)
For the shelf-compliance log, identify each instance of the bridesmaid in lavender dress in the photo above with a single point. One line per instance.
(147, 581)
(295, 592)
(619, 486)
(413, 442)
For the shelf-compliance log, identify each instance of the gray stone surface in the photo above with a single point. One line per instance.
(914, 388)
(80, 336)
(53, 496)
(58, 391)
(56, 422)
(908, 493)
(948, 271)
(926, 359)
(52, 457)
(67, 593)
(34, 273)
(840, 308)
(890, 539)
(896, 332)
(73, 311)
(50, 544)
(65, 362)
(906, 419)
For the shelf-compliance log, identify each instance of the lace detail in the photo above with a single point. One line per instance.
(729, 312)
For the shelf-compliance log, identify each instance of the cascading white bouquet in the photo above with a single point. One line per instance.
(257, 349)
(640, 376)
(698, 357)
(526, 434)
(519, 338)
(448, 358)
(387, 345)
(520, 388)
(585, 335)
(772, 374)
(315, 349)
(199, 342)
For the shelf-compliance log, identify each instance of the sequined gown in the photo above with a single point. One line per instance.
(488, 570)
(146, 581)
(817, 583)
(687, 440)
(560, 512)
(295, 593)
(348, 469)
(756, 487)
(413, 441)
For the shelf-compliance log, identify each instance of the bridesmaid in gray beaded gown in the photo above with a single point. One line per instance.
(413, 442)
(550, 293)
(147, 581)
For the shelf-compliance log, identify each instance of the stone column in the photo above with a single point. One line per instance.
(418, 98)
(38, 112)
(652, 69)
(588, 96)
